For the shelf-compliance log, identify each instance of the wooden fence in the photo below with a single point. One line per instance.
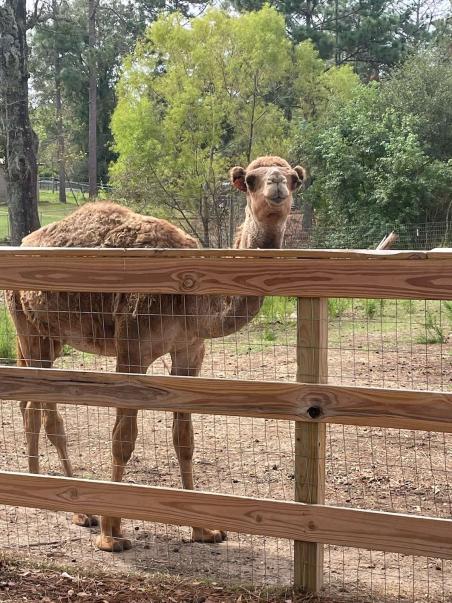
(311, 276)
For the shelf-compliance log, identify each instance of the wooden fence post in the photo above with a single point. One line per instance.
(312, 367)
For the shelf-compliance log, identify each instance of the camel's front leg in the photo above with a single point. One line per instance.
(124, 437)
(187, 362)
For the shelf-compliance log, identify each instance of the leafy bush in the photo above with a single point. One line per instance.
(337, 306)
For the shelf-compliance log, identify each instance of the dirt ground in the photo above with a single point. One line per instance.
(21, 583)
(373, 468)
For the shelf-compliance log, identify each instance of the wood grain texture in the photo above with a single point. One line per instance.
(312, 367)
(140, 252)
(405, 534)
(302, 277)
(403, 409)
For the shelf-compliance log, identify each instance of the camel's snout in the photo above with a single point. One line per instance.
(276, 189)
(275, 177)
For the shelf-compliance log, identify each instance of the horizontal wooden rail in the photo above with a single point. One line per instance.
(410, 275)
(402, 409)
(407, 534)
(140, 252)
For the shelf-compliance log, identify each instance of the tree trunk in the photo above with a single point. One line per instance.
(92, 118)
(307, 222)
(253, 111)
(231, 220)
(21, 141)
(59, 116)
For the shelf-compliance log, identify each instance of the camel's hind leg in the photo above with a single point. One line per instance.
(54, 427)
(34, 350)
(187, 362)
(31, 353)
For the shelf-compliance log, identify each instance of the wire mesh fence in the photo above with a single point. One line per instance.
(387, 343)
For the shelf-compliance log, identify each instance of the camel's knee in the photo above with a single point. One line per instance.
(124, 437)
(54, 427)
(31, 413)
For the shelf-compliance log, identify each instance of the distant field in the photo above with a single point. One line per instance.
(50, 210)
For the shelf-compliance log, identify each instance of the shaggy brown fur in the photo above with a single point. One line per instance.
(138, 329)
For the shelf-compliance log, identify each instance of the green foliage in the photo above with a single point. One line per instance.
(193, 101)
(278, 309)
(371, 34)
(371, 168)
(373, 307)
(337, 306)
(277, 312)
(7, 338)
(408, 306)
(448, 307)
(118, 25)
(422, 87)
(434, 333)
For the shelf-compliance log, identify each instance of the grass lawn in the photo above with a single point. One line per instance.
(50, 210)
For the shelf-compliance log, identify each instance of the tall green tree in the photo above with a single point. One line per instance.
(195, 100)
(372, 168)
(372, 35)
(190, 100)
(118, 26)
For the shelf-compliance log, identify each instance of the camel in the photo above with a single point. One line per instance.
(139, 328)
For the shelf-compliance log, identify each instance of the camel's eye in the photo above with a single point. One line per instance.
(250, 181)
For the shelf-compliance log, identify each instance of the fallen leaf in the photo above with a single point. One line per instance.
(68, 576)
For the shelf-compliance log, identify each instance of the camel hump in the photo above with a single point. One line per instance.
(107, 224)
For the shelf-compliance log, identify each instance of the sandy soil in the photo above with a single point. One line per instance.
(370, 468)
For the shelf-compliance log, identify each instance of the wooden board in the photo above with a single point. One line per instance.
(302, 277)
(312, 367)
(404, 409)
(405, 534)
(140, 252)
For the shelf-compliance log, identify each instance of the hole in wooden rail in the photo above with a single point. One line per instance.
(314, 412)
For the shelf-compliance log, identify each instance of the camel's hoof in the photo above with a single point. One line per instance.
(85, 521)
(208, 536)
(112, 544)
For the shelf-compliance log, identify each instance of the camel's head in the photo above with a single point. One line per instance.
(269, 183)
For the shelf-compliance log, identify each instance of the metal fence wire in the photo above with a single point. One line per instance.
(387, 343)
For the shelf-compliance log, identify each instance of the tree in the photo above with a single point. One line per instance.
(48, 61)
(21, 141)
(194, 100)
(373, 35)
(371, 170)
(92, 99)
(421, 86)
(118, 25)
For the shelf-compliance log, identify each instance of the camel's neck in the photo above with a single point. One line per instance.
(229, 315)
(252, 235)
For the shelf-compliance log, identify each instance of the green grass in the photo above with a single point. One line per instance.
(404, 321)
(49, 209)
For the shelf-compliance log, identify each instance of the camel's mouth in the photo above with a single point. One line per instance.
(276, 200)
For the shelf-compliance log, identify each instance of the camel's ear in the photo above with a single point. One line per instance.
(302, 177)
(237, 176)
